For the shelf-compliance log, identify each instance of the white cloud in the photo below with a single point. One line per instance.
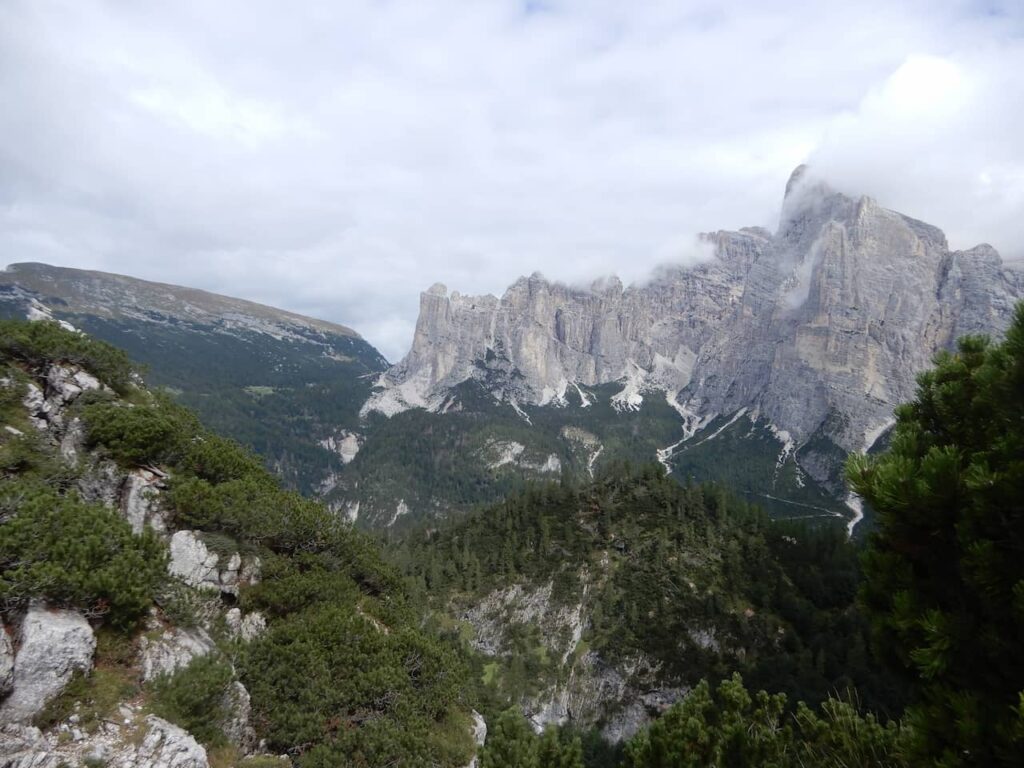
(338, 157)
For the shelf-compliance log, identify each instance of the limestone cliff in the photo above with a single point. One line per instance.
(819, 328)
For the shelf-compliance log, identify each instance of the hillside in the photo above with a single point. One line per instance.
(166, 603)
(598, 606)
(286, 385)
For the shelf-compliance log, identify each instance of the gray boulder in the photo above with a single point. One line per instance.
(237, 726)
(196, 565)
(6, 662)
(172, 650)
(164, 746)
(140, 501)
(54, 645)
(245, 628)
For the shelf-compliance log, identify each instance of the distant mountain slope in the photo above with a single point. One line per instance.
(767, 363)
(288, 385)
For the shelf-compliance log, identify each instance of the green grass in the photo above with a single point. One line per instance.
(490, 673)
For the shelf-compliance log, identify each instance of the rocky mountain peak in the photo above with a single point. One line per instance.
(819, 328)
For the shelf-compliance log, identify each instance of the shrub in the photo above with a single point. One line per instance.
(44, 343)
(156, 433)
(341, 683)
(195, 698)
(72, 553)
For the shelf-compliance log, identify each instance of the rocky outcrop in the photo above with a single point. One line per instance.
(62, 385)
(6, 662)
(52, 646)
(164, 746)
(171, 650)
(237, 726)
(153, 743)
(140, 501)
(196, 565)
(818, 328)
(479, 733)
(245, 628)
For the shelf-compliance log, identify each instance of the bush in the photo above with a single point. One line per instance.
(728, 726)
(196, 698)
(44, 343)
(356, 691)
(218, 459)
(71, 553)
(158, 433)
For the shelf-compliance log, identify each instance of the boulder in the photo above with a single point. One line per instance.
(164, 746)
(102, 482)
(479, 731)
(194, 563)
(152, 743)
(140, 502)
(237, 726)
(38, 408)
(73, 441)
(172, 650)
(245, 628)
(6, 662)
(54, 645)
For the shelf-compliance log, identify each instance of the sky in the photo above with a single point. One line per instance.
(336, 158)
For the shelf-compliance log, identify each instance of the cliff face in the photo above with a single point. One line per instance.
(820, 328)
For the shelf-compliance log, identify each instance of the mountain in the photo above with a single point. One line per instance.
(287, 385)
(762, 366)
(166, 604)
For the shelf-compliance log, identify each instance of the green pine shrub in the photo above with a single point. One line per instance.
(41, 344)
(76, 554)
(196, 698)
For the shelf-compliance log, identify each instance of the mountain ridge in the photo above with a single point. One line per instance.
(819, 329)
(37, 276)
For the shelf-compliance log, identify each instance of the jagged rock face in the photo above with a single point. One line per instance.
(238, 728)
(172, 650)
(194, 563)
(152, 743)
(53, 646)
(6, 662)
(245, 628)
(820, 327)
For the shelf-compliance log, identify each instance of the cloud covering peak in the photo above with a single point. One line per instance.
(335, 158)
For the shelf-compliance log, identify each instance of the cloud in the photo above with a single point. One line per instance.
(336, 158)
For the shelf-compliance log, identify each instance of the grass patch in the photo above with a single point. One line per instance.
(94, 697)
(490, 674)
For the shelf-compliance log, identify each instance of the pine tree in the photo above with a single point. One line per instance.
(510, 743)
(945, 571)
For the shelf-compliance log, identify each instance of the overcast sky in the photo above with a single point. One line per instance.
(336, 158)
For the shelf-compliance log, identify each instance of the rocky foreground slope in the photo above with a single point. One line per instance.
(156, 584)
(815, 331)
